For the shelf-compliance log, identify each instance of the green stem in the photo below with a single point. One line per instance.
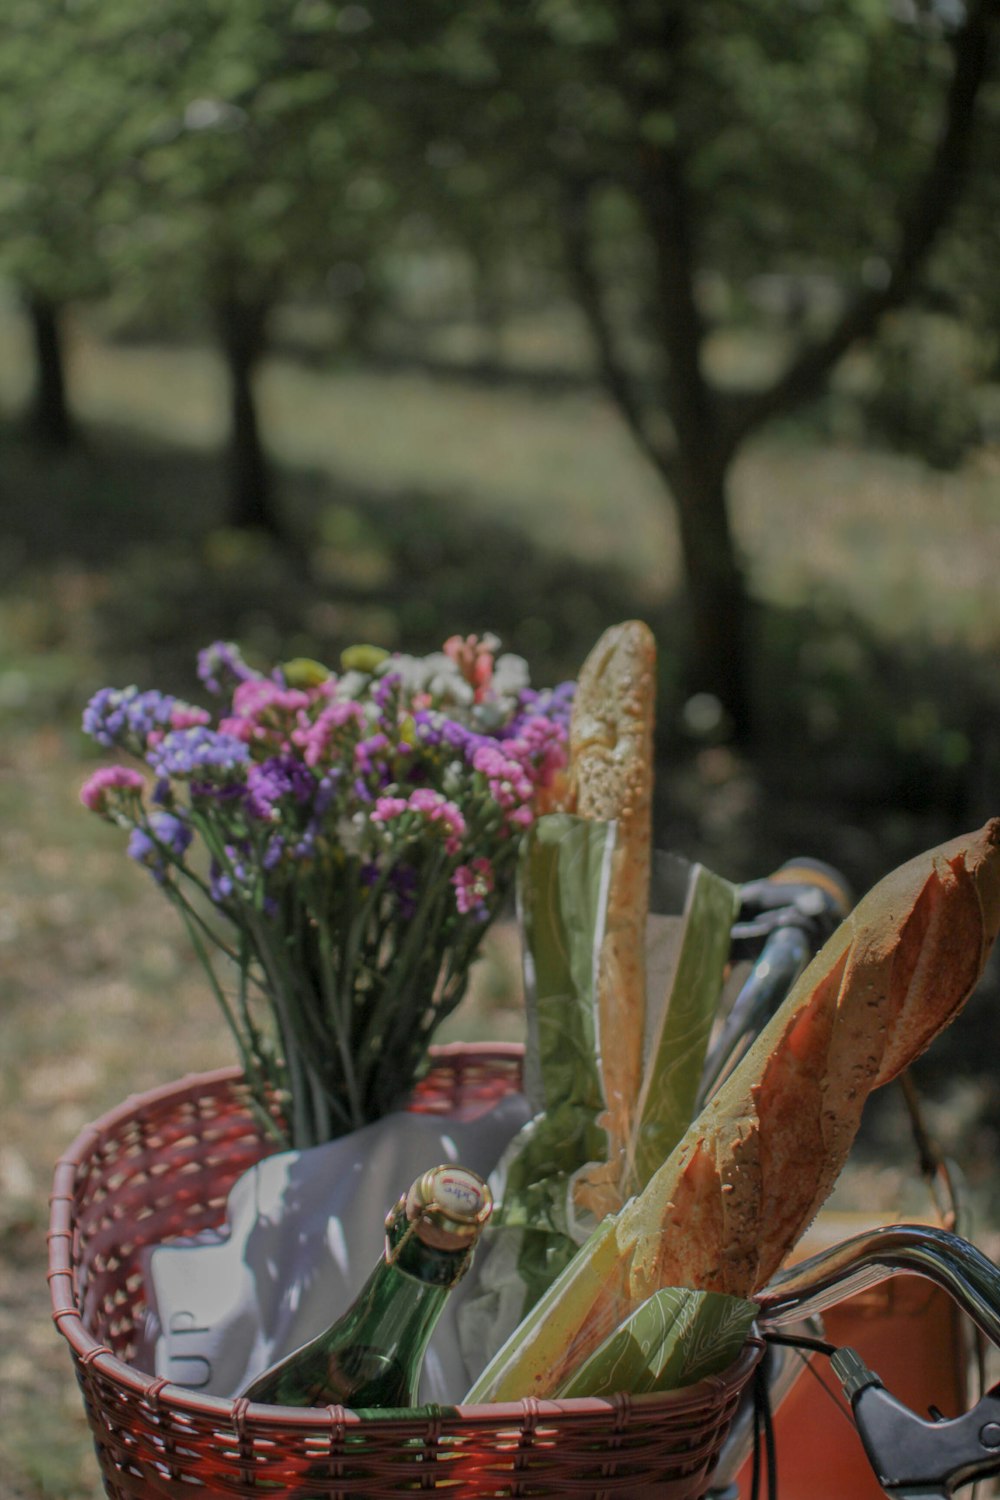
(258, 1081)
(303, 1040)
(333, 999)
(291, 1051)
(405, 969)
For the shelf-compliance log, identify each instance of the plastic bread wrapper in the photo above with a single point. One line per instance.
(562, 897)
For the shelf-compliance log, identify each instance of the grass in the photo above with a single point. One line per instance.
(433, 504)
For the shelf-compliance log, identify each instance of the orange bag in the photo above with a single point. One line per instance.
(906, 1329)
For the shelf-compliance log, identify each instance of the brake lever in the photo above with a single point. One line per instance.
(911, 1456)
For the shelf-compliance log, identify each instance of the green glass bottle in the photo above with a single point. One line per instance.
(372, 1355)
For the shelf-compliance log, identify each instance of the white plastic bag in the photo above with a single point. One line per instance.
(304, 1229)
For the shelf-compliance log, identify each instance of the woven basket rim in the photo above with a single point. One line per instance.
(713, 1390)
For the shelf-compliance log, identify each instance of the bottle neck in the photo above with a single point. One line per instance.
(412, 1257)
(394, 1317)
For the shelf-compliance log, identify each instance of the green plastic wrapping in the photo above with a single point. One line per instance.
(676, 1051)
(536, 1234)
(562, 892)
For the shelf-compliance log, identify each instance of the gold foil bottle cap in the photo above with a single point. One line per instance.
(448, 1206)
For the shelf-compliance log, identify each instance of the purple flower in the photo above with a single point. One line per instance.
(171, 831)
(403, 884)
(273, 852)
(272, 781)
(234, 877)
(385, 689)
(429, 731)
(221, 667)
(163, 835)
(207, 754)
(124, 716)
(366, 751)
(326, 792)
(142, 849)
(305, 848)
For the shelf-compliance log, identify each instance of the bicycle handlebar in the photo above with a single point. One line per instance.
(913, 1458)
(869, 1258)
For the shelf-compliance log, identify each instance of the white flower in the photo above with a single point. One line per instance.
(349, 833)
(510, 675)
(352, 684)
(453, 781)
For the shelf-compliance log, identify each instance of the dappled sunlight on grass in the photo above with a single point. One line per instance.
(913, 551)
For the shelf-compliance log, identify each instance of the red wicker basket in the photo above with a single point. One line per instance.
(161, 1165)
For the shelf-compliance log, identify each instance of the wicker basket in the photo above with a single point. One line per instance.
(161, 1165)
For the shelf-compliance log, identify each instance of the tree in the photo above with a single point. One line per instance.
(680, 150)
(203, 163)
(59, 146)
(243, 187)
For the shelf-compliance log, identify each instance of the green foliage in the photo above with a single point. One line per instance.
(925, 373)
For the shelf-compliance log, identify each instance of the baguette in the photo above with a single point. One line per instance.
(611, 777)
(755, 1167)
(736, 1193)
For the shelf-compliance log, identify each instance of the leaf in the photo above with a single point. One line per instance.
(553, 1325)
(673, 1339)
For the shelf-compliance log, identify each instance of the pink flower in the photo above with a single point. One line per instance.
(436, 808)
(260, 696)
(540, 747)
(264, 713)
(187, 716)
(387, 808)
(509, 783)
(473, 883)
(473, 655)
(100, 787)
(315, 739)
(425, 800)
(433, 807)
(182, 716)
(241, 729)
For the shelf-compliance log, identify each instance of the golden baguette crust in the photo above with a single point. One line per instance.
(611, 775)
(755, 1167)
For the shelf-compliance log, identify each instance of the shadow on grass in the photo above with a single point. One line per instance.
(159, 574)
(869, 749)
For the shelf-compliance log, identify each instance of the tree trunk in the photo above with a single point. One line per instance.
(718, 658)
(719, 653)
(242, 333)
(49, 417)
(694, 464)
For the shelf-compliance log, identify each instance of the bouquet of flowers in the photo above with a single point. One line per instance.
(356, 832)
